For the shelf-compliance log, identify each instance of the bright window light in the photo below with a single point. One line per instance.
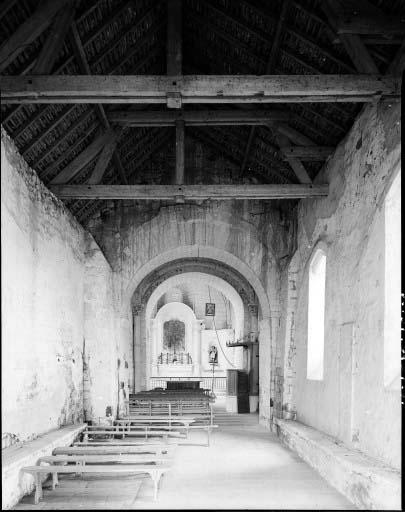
(316, 315)
(392, 295)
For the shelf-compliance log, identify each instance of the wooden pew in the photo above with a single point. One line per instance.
(186, 424)
(116, 449)
(171, 408)
(155, 472)
(127, 458)
(143, 430)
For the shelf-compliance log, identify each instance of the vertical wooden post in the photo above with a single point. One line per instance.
(179, 173)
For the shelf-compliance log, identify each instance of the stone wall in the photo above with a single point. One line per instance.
(54, 277)
(351, 402)
(250, 237)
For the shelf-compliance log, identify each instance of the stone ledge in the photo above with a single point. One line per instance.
(17, 484)
(366, 482)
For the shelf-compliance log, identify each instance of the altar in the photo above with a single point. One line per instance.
(183, 385)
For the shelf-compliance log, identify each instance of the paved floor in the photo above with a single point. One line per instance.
(244, 468)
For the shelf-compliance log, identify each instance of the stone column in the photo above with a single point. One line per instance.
(253, 364)
(137, 341)
(153, 348)
(196, 348)
(264, 371)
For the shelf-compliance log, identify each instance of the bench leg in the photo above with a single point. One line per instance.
(38, 488)
(155, 477)
(208, 436)
(55, 480)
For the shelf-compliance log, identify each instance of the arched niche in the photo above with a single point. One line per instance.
(208, 280)
(179, 312)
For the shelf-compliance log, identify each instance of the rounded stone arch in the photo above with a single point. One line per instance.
(216, 282)
(199, 251)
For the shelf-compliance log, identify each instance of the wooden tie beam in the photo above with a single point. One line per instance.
(188, 192)
(158, 89)
(198, 117)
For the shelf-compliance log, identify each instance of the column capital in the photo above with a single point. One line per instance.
(137, 308)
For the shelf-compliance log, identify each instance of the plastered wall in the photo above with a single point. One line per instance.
(351, 402)
(245, 235)
(57, 293)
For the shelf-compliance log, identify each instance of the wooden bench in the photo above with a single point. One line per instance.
(155, 472)
(127, 458)
(146, 430)
(186, 424)
(117, 449)
(171, 408)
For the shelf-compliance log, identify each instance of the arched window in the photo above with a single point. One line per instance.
(392, 287)
(316, 315)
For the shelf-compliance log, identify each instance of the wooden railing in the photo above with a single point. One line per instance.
(219, 382)
(172, 358)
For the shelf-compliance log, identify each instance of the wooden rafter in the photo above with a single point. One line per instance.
(6, 6)
(89, 39)
(262, 37)
(55, 40)
(354, 46)
(174, 37)
(366, 19)
(294, 162)
(84, 158)
(197, 89)
(84, 66)
(155, 144)
(225, 149)
(104, 158)
(269, 69)
(29, 31)
(307, 153)
(189, 192)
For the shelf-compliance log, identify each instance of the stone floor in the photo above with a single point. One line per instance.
(244, 468)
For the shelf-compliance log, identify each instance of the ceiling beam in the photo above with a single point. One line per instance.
(307, 153)
(197, 117)
(189, 192)
(29, 31)
(54, 43)
(197, 89)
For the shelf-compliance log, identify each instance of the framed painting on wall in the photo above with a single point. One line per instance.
(209, 309)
